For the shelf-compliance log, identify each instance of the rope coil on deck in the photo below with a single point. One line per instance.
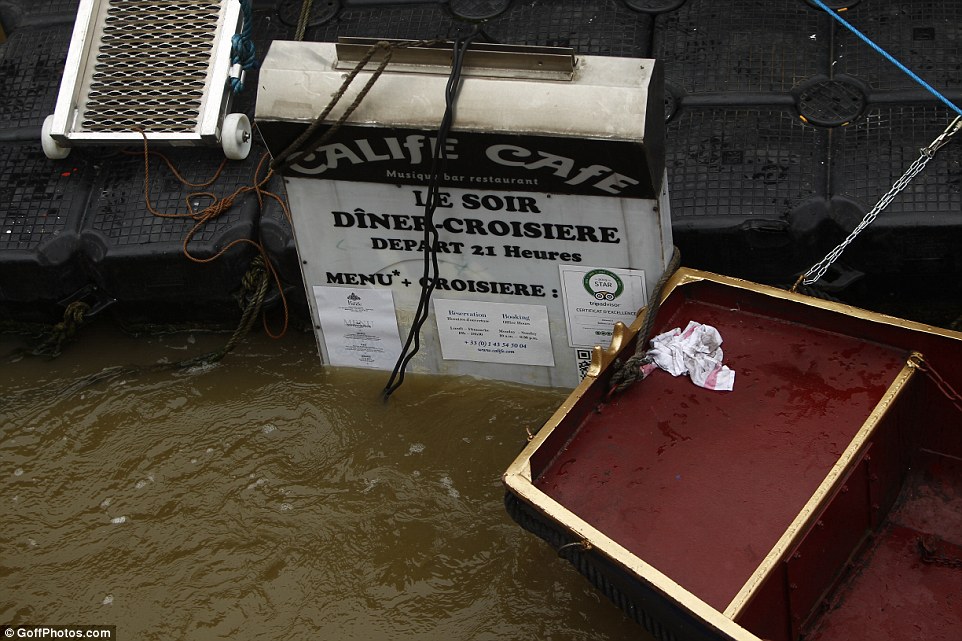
(261, 272)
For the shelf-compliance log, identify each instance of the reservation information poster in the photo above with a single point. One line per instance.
(494, 332)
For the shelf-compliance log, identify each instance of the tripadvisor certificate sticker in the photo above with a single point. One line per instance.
(603, 284)
(595, 298)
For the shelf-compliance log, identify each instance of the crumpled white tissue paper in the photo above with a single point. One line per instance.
(696, 351)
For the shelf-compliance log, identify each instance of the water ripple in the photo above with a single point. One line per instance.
(270, 498)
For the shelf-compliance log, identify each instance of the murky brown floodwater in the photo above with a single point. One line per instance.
(271, 498)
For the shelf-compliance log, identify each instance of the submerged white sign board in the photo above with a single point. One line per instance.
(534, 181)
(369, 235)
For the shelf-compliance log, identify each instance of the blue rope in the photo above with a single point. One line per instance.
(242, 47)
(911, 74)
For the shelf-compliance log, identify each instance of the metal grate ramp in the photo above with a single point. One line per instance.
(153, 66)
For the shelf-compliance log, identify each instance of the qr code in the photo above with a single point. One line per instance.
(583, 356)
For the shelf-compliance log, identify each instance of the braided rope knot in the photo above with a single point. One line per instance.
(633, 370)
(73, 317)
(218, 207)
(254, 277)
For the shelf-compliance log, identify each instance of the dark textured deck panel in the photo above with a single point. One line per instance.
(16, 14)
(137, 257)
(594, 27)
(30, 68)
(923, 34)
(42, 205)
(416, 21)
(746, 186)
(742, 46)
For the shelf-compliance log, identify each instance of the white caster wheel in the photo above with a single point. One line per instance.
(235, 136)
(51, 148)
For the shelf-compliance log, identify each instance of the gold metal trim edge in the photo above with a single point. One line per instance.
(686, 276)
(602, 357)
(832, 481)
(628, 560)
(521, 466)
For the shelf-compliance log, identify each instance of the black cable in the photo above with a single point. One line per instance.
(430, 259)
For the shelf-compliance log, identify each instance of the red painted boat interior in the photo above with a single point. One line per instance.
(859, 566)
(908, 585)
(701, 484)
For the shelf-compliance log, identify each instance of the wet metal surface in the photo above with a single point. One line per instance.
(271, 498)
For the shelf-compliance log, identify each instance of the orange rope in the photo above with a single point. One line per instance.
(215, 209)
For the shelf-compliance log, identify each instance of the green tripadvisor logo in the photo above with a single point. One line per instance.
(603, 285)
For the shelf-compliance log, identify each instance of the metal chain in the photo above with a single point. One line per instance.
(943, 385)
(930, 554)
(925, 155)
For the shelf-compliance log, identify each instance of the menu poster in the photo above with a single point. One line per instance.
(359, 326)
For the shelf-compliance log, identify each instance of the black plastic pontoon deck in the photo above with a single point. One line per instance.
(756, 191)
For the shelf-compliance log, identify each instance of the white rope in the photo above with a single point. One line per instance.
(925, 155)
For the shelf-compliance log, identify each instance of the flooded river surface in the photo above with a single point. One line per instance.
(268, 497)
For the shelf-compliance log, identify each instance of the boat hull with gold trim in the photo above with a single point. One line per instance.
(820, 499)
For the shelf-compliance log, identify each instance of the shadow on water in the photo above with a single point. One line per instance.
(268, 497)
